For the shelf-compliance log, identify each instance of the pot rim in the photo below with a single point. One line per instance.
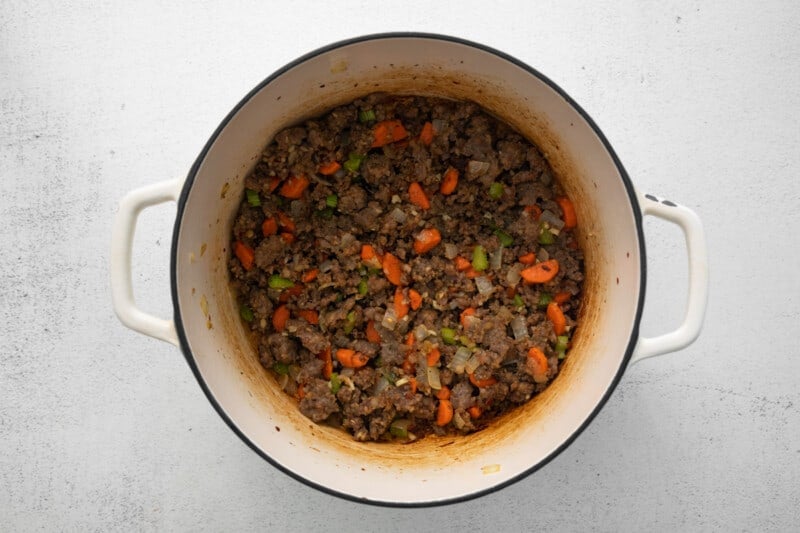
(181, 204)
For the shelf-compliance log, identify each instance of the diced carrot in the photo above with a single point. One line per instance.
(418, 196)
(327, 368)
(309, 315)
(449, 182)
(291, 292)
(556, 316)
(408, 367)
(474, 412)
(245, 254)
(567, 212)
(534, 211)
(426, 135)
(444, 413)
(538, 362)
(388, 131)
(369, 256)
(372, 333)
(528, 259)
(410, 339)
(294, 186)
(426, 240)
(288, 238)
(351, 358)
(562, 297)
(481, 383)
(443, 393)
(301, 391)
(274, 181)
(541, 272)
(392, 269)
(279, 318)
(471, 273)
(326, 169)
(412, 382)
(310, 275)
(285, 222)
(415, 298)
(400, 305)
(469, 311)
(462, 263)
(269, 227)
(433, 356)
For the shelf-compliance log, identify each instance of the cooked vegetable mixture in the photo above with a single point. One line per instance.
(407, 266)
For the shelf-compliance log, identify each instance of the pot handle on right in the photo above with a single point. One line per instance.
(692, 228)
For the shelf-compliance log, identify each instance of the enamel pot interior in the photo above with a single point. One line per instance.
(433, 470)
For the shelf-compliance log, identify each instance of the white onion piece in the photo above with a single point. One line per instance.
(460, 359)
(458, 421)
(450, 250)
(471, 321)
(433, 377)
(519, 328)
(346, 240)
(402, 381)
(542, 255)
(471, 364)
(347, 381)
(389, 319)
(513, 275)
(283, 380)
(497, 259)
(477, 168)
(326, 266)
(421, 332)
(552, 219)
(483, 285)
(398, 215)
(380, 386)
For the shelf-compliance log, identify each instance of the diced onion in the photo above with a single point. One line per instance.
(471, 364)
(402, 381)
(421, 332)
(398, 215)
(513, 275)
(477, 168)
(519, 328)
(283, 380)
(347, 240)
(380, 386)
(471, 321)
(460, 359)
(389, 319)
(552, 219)
(458, 421)
(497, 259)
(542, 255)
(450, 250)
(483, 285)
(433, 377)
(347, 381)
(326, 266)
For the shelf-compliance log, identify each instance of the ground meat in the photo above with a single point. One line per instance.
(311, 286)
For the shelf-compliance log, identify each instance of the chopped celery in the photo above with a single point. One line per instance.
(479, 260)
(252, 197)
(247, 313)
(278, 282)
(449, 335)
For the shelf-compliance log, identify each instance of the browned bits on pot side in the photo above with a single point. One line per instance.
(407, 266)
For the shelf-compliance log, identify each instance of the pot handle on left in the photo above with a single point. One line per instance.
(121, 246)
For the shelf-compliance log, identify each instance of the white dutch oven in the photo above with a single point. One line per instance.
(206, 323)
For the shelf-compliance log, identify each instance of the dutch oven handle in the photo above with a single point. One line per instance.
(692, 228)
(121, 246)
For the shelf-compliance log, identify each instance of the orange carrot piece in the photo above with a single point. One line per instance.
(562, 297)
(528, 259)
(462, 264)
(351, 358)
(327, 368)
(426, 240)
(288, 238)
(469, 311)
(274, 181)
(538, 362)
(556, 316)
(444, 414)
(567, 212)
(534, 211)
(471, 273)
(418, 196)
(279, 318)
(426, 135)
(400, 305)
(301, 391)
(443, 393)
(326, 169)
(541, 272)
(392, 269)
(388, 131)
(291, 292)
(294, 186)
(310, 275)
(415, 298)
(245, 254)
(269, 227)
(412, 382)
(449, 182)
(482, 383)
(309, 315)
(372, 333)
(433, 357)
(369, 256)
(285, 222)
(474, 412)
(410, 340)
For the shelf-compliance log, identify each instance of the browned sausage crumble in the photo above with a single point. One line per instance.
(407, 266)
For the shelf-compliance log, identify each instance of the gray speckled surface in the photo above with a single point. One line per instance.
(104, 429)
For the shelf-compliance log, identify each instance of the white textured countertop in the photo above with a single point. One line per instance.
(104, 429)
